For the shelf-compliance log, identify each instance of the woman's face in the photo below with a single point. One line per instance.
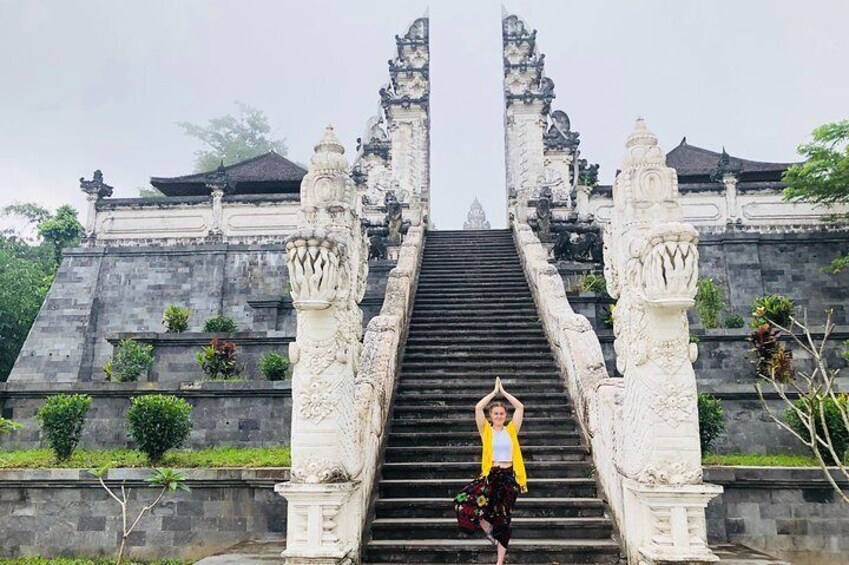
(498, 415)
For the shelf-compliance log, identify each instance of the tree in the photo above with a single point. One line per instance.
(61, 230)
(233, 138)
(824, 176)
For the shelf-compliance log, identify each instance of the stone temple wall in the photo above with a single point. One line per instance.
(746, 266)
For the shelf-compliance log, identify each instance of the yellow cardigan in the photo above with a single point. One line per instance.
(518, 462)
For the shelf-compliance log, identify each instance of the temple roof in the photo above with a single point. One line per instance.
(696, 163)
(264, 174)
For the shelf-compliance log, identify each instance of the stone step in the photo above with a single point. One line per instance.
(464, 284)
(492, 355)
(466, 424)
(532, 339)
(447, 386)
(426, 412)
(468, 399)
(500, 300)
(480, 551)
(522, 528)
(490, 309)
(497, 367)
(526, 507)
(482, 321)
(460, 453)
(442, 480)
(401, 439)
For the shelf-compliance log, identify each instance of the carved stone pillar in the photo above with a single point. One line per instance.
(218, 186)
(582, 201)
(651, 266)
(327, 271)
(729, 180)
(95, 189)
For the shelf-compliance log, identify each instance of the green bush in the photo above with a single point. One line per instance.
(772, 358)
(734, 321)
(607, 316)
(709, 302)
(274, 366)
(218, 360)
(220, 325)
(593, 282)
(62, 419)
(158, 423)
(130, 360)
(9, 426)
(772, 309)
(819, 405)
(711, 422)
(175, 319)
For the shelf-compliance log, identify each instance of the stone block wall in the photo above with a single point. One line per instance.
(790, 513)
(100, 293)
(66, 512)
(250, 414)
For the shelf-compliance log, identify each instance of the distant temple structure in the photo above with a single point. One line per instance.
(476, 217)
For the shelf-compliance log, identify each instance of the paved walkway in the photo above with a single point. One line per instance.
(266, 552)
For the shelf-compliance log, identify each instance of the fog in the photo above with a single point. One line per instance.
(101, 84)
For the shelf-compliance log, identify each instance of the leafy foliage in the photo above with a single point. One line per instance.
(607, 316)
(175, 319)
(710, 300)
(61, 230)
(734, 321)
(8, 426)
(773, 309)
(823, 178)
(824, 409)
(274, 366)
(231, 139)
(130, 360)
(158, 423)
(593, 282)
(218, 360)
(220, 324)
(772, 359)
(62, 419)
(711, 422)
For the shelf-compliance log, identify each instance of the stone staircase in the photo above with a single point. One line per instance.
(474, 319)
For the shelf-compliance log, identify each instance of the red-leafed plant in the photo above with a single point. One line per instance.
(218, 360)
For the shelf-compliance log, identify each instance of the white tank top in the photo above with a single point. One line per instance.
(502, 446)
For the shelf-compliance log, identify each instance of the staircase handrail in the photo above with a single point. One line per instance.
(376, 378)
(597, 398)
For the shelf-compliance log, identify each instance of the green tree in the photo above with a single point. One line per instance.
(824, 176)
(233, 138)
(61, 230)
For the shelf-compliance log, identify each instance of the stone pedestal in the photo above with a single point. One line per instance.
(666, 523)
(320, 532)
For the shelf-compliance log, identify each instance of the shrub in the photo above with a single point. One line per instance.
(274, 366)
(734, 321)
(607, 316)
(129, 361)
(822, 405)
(772, 359)
(9, 426)
(175, 319)
(773, 309)
(158, 423)
(711, 422)
(709, 302)
(220, 325)
(62, 419)
(593, 282)
(218, 360)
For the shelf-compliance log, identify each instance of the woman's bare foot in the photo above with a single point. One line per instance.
(502, 553)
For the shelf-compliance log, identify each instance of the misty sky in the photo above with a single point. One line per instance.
(100, 84)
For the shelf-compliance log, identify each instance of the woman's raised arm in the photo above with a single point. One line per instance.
(480, 417)
(518, 407)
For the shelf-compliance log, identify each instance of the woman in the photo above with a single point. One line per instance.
(487, 502)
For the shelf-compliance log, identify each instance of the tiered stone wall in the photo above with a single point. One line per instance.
(789, 513)
(58, 512)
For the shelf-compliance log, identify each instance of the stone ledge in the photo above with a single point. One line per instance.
(161, 339)
(188, 389)
(771, 477)
(135, 477)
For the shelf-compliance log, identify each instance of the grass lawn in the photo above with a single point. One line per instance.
(81, 561)
(752, 460)
(183, 458)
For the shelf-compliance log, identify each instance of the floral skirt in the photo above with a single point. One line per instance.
(491, 498)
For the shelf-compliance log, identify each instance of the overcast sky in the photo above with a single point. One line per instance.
(100, 84)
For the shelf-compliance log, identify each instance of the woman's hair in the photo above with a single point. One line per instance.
(495, 404)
